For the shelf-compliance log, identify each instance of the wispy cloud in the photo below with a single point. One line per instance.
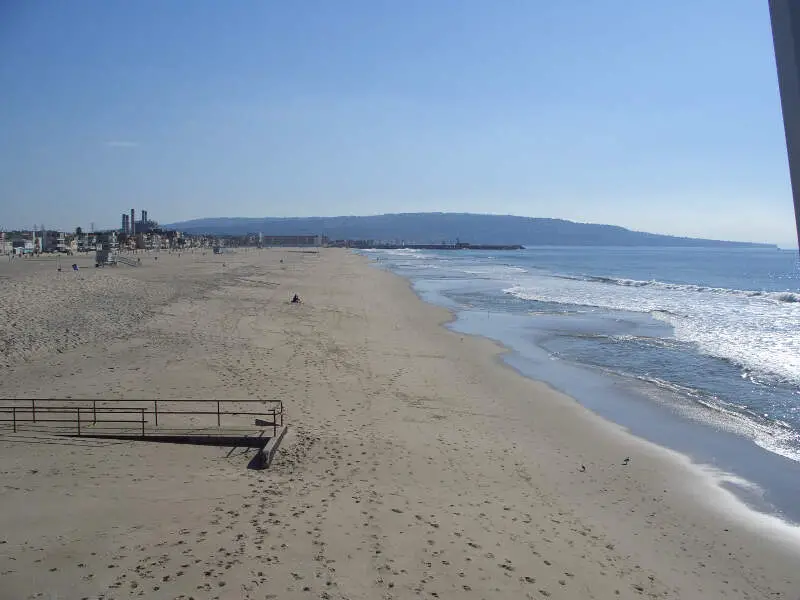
(121, 144)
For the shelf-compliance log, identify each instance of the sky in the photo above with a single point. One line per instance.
(660, 116)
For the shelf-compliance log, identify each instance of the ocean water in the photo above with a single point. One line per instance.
(697, 349)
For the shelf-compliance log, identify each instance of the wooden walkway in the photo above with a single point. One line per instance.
(229, 423)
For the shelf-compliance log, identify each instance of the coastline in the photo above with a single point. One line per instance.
(417, 463)
(732, 492)
(742, 456)
(728, 491)
(763, 480)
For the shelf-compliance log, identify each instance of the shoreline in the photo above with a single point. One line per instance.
(728, 487)
(740, 464)
(417, 464)
(697, 441)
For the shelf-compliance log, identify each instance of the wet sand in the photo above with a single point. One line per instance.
(417, 465)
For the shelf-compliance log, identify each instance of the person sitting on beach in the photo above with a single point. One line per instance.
(296, 299)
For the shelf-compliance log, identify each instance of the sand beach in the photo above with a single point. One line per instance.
(417, 465)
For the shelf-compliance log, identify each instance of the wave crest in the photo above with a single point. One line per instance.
(789, 297)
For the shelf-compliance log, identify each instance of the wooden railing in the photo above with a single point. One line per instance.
(81, 413)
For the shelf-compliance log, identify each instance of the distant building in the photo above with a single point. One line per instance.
(351, 244)
(22, 246)
(61, 242)
(293, 240)
(51, 241)
(132, 227)
(145, 226)
(82, 242)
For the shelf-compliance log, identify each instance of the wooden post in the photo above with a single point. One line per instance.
(14, 417)
(94, 412)
(155, 411)
(785, 31)
(33, 409)
(79, 421)
(143, 422)
(218, 421)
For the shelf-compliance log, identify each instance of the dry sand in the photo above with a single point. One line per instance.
(417, 465)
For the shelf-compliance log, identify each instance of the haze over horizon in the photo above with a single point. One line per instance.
(662, 118)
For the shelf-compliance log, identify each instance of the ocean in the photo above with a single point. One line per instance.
(695, 349)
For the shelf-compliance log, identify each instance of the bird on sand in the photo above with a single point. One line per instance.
(627, 460)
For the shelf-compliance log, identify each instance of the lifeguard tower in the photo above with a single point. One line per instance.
(107, 252)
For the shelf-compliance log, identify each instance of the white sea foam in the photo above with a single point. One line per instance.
(771, 434)
(791, 297)
(499, 270)
(759, 331)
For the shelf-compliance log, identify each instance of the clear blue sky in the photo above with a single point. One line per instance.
(656, 115)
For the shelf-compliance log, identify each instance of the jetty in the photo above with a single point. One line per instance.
(457, 246)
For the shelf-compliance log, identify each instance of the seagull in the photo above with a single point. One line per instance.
(583, 468)
(627, 460)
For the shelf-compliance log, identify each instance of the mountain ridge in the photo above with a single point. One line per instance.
(436, 227)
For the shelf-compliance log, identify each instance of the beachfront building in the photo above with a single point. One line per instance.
(172, 240)
(82, 242)
(53, 241)
(151, 240)
(86, 242)
(47, 241)
(126, 242)
(22, 247)
(6, 247)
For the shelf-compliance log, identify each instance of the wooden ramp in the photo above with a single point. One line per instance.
(124, 260)
(159, 421)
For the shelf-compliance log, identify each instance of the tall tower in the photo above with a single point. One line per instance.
(133, 222)
(144, 217)
(785, 17)
(125, 223)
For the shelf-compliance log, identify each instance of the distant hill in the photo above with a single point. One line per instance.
(425, 228)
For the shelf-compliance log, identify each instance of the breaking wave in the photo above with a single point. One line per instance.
(790, 297)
